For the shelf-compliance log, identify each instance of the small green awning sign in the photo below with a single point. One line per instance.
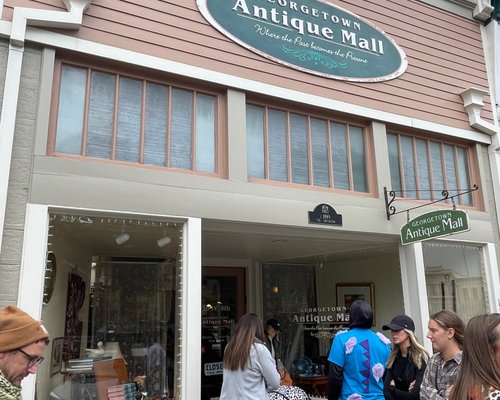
(434, 224)
(313, 36)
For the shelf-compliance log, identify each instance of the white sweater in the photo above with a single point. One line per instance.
(253, 382)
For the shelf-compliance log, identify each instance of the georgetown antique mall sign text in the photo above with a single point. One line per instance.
(434, 224)
(314, 36)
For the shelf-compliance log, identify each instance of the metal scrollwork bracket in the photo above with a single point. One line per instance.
(390, 198)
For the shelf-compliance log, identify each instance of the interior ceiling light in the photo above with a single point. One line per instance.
(164, 241)
(122, 238)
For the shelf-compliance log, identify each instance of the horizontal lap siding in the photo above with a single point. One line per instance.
(444, 52)
(42, 4)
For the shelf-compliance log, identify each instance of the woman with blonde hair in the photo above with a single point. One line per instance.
(249, 368)
(479, 376)
(406, 363)
(446, 333)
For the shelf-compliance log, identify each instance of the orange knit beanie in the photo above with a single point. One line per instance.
(18, 329)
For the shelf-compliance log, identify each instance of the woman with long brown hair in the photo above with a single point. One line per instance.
(479, 376)
(249, 368)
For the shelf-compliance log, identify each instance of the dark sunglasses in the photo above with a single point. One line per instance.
(32, 361)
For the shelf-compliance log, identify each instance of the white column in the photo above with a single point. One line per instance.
(492, 288)
(32, 273)
(191, 311)
(414, 288)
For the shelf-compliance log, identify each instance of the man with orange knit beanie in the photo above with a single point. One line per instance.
(22, 342)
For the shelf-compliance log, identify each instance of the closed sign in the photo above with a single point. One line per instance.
(213, 368)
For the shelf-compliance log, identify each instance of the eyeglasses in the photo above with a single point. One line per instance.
(32, 361)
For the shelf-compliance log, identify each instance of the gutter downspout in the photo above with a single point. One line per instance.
(22, 17)
(473, 103)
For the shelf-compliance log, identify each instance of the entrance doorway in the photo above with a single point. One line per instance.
(223, 303)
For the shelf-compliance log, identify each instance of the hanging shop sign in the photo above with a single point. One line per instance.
(434, 224)
(325, 214)
(313, 36)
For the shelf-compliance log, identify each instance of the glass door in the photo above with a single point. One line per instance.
(223, 303)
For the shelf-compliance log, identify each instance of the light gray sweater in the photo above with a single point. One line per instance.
(253, 382)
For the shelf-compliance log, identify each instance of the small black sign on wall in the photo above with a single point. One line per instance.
(325, 214)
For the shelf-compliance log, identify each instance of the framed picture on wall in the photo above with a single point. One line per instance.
(347, 293)
(56, 358)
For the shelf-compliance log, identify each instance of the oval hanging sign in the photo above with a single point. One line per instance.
(313, 36)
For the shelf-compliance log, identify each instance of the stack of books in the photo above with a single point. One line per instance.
(82, 365)
(122, 392)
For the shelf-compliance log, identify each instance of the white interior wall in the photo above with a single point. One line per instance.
(71, 257)
(383, 271)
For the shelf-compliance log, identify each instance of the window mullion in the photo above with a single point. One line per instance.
(115, 118)
(416, 169)
(457, 173)
(401, 168)
(443, 167)
(169, 126)
(265, 132)
(349, 158)
(143, 122)
(289, 147)
(86, 113)
(469, 176)
(310, 151)
(329, 152)
(431, 172)
(193, 132)
(218, 161)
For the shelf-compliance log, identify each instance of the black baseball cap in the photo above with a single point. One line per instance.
(399, 322)
(274, 323)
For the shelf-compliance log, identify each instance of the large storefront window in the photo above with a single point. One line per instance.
(287, 298)
(307, 329)
(113, 308)
(454, 275)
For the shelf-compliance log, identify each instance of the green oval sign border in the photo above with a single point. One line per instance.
(283, 38)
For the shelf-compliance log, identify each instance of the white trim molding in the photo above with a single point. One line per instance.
(190, 378)
(483, 10)
(72, 19)
(492, 278)
(32, 272)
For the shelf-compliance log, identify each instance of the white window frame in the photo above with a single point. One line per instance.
(32, 272)
(414, 283)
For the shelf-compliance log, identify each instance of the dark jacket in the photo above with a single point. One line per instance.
(402, 383)
(276, 345)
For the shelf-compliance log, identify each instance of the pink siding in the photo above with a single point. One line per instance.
(444, 52)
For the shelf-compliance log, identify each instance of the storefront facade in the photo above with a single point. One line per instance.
(163, 174)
